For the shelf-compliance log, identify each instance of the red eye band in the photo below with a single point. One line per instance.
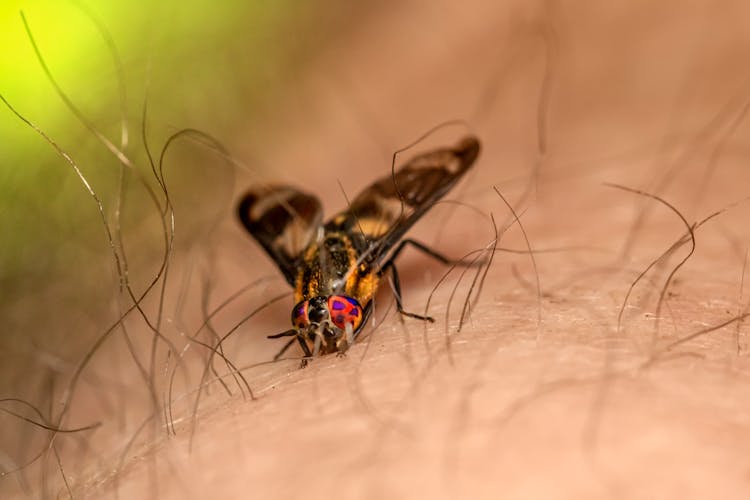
(344, 310)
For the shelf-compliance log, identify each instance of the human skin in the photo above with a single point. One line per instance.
(543, 392)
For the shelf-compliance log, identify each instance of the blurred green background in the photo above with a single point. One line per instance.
(214, 66)
(206, 65)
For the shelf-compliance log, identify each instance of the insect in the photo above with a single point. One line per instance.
(336, 267)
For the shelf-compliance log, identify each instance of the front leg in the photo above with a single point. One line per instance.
(432, 253)
(397, 290)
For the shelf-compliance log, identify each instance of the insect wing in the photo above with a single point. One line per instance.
(283, 220)
(389, 207)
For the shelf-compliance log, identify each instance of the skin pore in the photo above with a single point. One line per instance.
(563, 381)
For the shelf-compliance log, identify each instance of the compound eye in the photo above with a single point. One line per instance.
(299, 316)
(345, 310)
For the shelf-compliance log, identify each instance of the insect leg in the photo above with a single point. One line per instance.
(291, 333)
(287, 333)
(284, 349)
(349, 334)
(316, 344)
(429, 251)
(346, 341)
(397, 292)
(305, 349)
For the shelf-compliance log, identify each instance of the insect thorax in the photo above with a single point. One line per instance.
(333, 265)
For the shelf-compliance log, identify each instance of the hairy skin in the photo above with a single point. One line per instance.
(540, 395)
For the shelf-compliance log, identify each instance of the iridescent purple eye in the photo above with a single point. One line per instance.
(299, 316)
(345, 310)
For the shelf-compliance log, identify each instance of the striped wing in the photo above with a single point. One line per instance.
(384, 211)
(283, 220)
